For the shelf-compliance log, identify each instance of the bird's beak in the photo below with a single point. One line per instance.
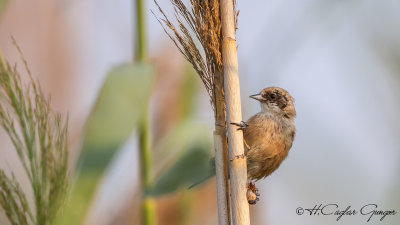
(257, 97)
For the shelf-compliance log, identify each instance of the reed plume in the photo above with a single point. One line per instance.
(40, 138)
(199, 23)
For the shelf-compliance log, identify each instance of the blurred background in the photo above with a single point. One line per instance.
(339, 59)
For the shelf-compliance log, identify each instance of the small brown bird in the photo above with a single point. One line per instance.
(268, 135)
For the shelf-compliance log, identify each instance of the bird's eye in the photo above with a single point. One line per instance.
(273, 96)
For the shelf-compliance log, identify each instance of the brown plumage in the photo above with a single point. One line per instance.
(269, 134)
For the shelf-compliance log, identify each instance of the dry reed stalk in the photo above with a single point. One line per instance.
(221, 182)
(238, 166)
(204, 21)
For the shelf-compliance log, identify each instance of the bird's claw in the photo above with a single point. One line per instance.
(253, 202)
(242, 125)
(252, 194)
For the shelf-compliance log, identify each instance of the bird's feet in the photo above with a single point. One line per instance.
(242, 125)
(252, 194)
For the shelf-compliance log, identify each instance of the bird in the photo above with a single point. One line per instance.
(268, 135)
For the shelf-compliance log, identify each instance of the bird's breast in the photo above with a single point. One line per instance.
(269, 139)
(265, 128)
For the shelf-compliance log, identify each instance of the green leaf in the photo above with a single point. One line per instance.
(118, 110)
(185, 149)
(119, 107)
(193, 164)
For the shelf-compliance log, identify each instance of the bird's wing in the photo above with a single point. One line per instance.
(263, 136)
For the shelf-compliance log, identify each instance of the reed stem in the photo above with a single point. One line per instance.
(238, 166)
(148, 206)
(141, 34)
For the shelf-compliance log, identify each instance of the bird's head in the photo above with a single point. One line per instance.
(278, 100)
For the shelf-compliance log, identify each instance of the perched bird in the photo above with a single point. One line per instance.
(268, 135)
